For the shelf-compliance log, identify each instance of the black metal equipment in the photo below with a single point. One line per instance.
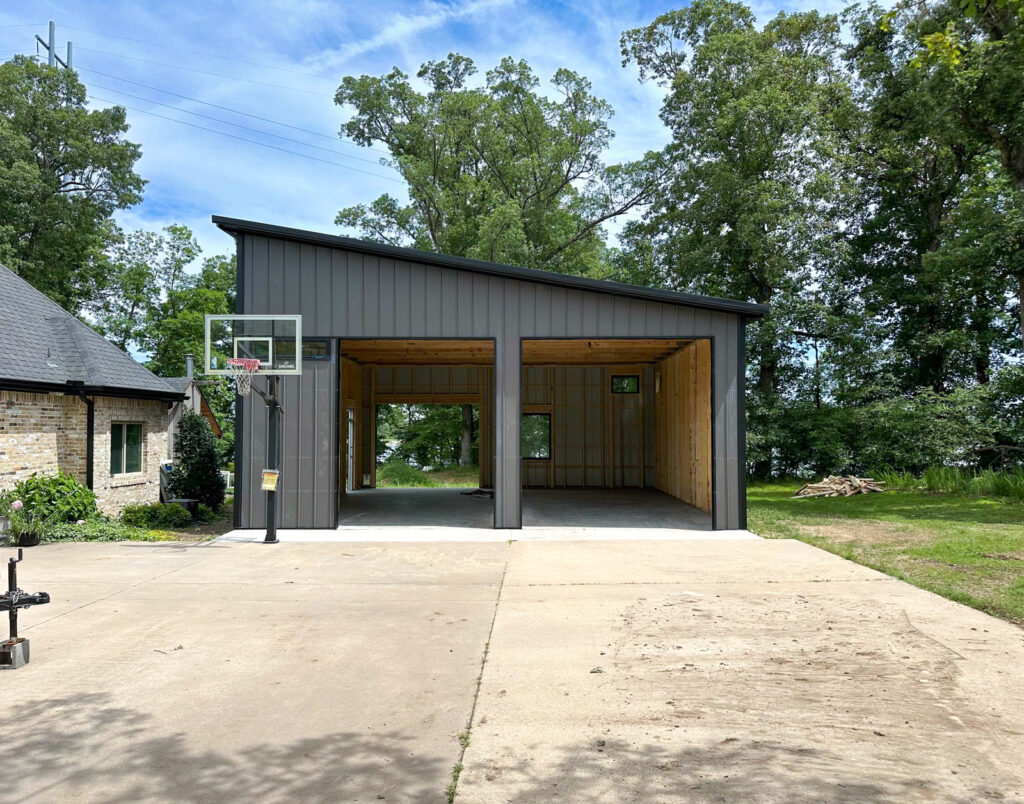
(14, 652)
(274, 412)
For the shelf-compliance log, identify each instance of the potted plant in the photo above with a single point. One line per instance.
(27, 526)
(5, 516)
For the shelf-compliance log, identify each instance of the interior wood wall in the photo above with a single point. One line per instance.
(682, 414)
(598, 439)
(351, 399)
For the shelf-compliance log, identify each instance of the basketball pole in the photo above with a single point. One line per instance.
(273, 456)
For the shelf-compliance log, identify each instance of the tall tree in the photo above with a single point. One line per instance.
(496, 172)
(914, 163)
(63, 171)
(975, 48)
(746, 210)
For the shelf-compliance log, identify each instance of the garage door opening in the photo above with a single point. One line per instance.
(616, 433)
(413, 404)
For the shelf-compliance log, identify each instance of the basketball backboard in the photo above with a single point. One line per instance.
(274, 340)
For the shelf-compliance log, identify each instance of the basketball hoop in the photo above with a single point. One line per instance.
(243, 369)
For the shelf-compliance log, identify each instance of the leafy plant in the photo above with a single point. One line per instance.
(396, 472)
(98, 530)
(156, 515)
(55, 498)
(196, 473)
(29, 526)
(205, 513)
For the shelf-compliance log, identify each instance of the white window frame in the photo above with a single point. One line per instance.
(124, 447)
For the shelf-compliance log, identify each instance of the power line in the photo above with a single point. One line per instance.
(332, 138)
(246, 139)
(195, 52)
(204, 72)
(25, 25)
(237, 125)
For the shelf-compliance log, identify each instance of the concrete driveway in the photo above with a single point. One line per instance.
(616, 671)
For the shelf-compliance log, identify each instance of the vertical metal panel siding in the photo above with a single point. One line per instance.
(349, 295)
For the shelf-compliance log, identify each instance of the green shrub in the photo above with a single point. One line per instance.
(97, 530)
(156, 515)
(954, 480)
(205, 513)
(196, 473)
(399, 473)
(54, 498)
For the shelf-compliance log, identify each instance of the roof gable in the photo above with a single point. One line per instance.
(44, 345)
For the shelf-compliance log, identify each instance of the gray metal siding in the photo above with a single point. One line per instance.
(343, 294)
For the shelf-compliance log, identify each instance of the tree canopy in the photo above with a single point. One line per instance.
(64, 170)
(497, 172)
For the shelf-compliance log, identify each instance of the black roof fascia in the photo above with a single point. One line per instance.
(77, 389)
(233, 226)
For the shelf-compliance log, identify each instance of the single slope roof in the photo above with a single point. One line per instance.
(234, 226)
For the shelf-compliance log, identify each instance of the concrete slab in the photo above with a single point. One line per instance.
(626, 509)
(452, 508)
(246, 673)
(390, 535)
(725, 671)
(709, 669)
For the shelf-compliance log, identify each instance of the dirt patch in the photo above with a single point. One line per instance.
(867, 532)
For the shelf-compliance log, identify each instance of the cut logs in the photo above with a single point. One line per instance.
(841, 486)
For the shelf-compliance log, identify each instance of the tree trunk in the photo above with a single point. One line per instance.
(1020, 299)
(465, 458)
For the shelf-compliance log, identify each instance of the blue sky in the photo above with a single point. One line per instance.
(282, 60)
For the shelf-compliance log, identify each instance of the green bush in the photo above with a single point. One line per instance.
(156, 515)
(54, 498)
(954, 480)
(196, 473)
(97, 530)
(205, 513)
(399, 473)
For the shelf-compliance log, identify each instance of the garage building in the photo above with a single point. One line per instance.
(631, 398)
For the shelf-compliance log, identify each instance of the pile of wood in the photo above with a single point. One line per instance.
(841, 486)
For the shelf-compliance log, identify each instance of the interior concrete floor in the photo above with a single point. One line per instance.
(561, 508)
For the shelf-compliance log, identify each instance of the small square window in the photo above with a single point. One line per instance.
(316, 349)
(535, 437)
(125, 447)
(625, 384)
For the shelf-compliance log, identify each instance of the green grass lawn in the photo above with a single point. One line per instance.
(399, 475)
(967, 548)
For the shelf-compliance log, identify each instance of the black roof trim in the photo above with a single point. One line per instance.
(233, 226)
(78, 389)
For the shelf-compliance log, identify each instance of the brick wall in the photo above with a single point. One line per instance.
(40, 433)
(113, 493)
(43, 433)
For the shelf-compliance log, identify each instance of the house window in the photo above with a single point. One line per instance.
(315, 349)
(535, 441)
(125, 447)
(625, 384)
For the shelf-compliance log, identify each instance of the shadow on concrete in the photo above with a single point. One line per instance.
(732, 770)
(87, 747)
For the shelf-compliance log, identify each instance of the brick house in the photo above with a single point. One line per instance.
(72, 401)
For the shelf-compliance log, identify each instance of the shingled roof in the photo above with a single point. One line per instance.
(43, 347)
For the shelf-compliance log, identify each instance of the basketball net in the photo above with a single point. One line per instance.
(243, 369)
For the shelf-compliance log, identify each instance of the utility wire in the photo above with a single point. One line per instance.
(203, 72)
(25, 25)
(193, 52)
(237, 125)
(246, 139)
(215, 105)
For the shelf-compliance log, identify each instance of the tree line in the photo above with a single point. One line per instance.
(862, 174)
